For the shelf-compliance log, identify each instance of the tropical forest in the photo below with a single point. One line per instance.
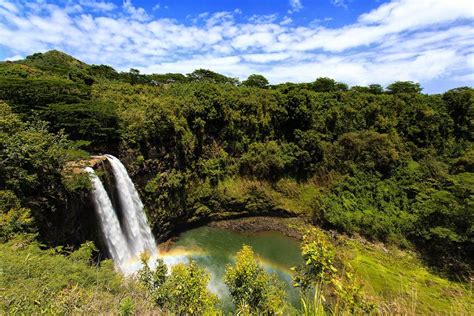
(202, 194)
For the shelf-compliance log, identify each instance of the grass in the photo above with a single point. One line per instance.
(400, 283)
(34, 281)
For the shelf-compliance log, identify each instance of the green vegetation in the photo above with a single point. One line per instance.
(35, 281)
(33, 186)
(324, 290)
(182, 292)
(393, 165)
(252, 289)
(398, 282)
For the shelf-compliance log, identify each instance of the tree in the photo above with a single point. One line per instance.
(211, 76)
(460, 105)
(425, 122)
(266, 160)
(319, 257)
(31, 161)
(296, 111)
(96, 122)
(369, 151)
(404, 87)
(252, 289)
(167, 78)
(373, 88)
(152, 280)
(333, 293)
(444, 223)
(26, 95)
(310, 153)
(341, 86)
(325, 84)
(182, 292)
(256, 81)
(134, 75)
(104, 71)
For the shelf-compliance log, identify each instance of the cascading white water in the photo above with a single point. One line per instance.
(138, 231)
(109, 222)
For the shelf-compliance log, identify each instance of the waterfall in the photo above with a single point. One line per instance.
(110, 225)
(136, 227)
(127, 241)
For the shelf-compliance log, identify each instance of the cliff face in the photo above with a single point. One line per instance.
(76, 221)
(95, 162)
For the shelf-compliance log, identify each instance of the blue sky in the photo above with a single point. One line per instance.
(354, 41)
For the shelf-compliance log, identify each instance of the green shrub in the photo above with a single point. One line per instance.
(182, 292)
(253, 290)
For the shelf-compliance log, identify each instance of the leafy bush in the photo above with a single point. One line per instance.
(183, 292)
(252, 289)
(334, 293)
(266, 160)
(378, 209)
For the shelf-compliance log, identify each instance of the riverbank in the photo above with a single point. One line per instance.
(291, 227)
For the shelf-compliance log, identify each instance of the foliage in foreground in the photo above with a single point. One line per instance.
(325, 290)
(351, 276)
(183, 291)
(36, 281)
(253, 290)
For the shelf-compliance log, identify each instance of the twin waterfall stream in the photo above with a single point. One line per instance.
(129, 237)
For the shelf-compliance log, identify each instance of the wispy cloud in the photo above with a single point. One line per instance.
(386, 44)
(135, 13)
(263, 19)
(339, 3)
(295, 5)
(98, 5)
(13, 58)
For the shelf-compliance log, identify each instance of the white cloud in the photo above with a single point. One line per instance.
(266, 58)
(263, 19)
(8, 6)
(98, 5)
(413, 40)
(295, 5)
(339, 3)
(13, 58)
(286, 20)
(135, 13)
(467, 78)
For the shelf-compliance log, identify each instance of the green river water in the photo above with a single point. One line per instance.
(214, 248)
